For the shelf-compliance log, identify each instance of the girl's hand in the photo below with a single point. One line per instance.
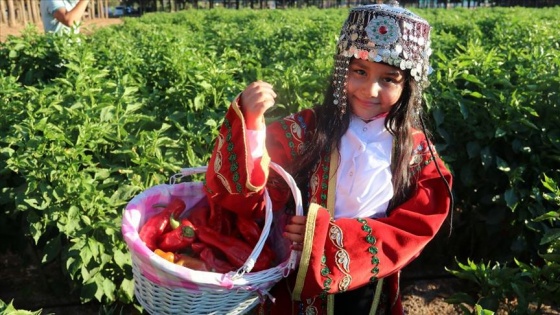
(255, 100)
(295, 231)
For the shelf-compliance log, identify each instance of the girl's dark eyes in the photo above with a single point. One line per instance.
(363, 73)
(359, 71)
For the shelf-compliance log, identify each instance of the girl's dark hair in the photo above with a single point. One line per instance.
(331, 125)
(402, 120)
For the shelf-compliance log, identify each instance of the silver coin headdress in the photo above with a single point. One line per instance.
(382, 33)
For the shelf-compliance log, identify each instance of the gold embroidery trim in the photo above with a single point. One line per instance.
(306, 253)
(333, 166)
(330, 304)
(311, 309)
(342, 259)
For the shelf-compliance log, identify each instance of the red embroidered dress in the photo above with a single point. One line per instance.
(339, 255)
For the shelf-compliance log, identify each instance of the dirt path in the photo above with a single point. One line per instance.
(88, 27)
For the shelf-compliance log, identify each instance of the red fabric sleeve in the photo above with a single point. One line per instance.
(228, 182)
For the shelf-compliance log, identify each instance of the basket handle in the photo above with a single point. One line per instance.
(175, 178)
(292, 262)
(294, 255)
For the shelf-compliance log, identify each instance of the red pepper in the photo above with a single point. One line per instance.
(175, 208)
(158, 224)
(249, 229)
(235, 250)
(214, 263)
(199, 215)
(178, 239)
(221, 220)
(251, 232)
(151, 231)
(197, 247)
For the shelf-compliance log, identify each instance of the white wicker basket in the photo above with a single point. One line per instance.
(162, 287)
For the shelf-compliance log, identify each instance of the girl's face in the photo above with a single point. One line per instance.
(373, 88)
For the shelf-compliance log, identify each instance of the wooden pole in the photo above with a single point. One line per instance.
(11, 14)
(3, 16)
(35, 11)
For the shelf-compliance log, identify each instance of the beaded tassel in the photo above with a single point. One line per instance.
(340, 81)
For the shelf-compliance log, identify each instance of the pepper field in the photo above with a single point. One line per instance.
(87, 122)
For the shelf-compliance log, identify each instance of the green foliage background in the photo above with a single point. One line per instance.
(90, 121)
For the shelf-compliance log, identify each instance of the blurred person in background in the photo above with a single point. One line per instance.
(62, 16)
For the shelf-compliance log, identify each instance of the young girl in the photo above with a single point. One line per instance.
(375, 191)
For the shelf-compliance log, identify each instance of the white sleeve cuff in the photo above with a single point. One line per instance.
(255, 142)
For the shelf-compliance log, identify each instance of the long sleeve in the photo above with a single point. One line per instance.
(345, 254)
(233, 180)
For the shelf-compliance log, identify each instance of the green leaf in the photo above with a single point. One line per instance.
(89, 290)
(131, 108)
(500, 133)
(127, 289)
(511, 198)
(480, 310)
(108, 289)
(551, 215)
(52, 249)
(35, 204)
(473, 149)
(120, 258)
(85, 254)
(73, 266)
(439, 116)
(550, 236)
(488, 304)
(472, 78)
(93, 246)
(502, 165)
(86, 219)
(9, 309)
(476, 94)
(100, 282)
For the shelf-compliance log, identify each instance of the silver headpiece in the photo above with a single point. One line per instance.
(382, 33)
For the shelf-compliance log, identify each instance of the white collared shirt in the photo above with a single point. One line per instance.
(363, 185)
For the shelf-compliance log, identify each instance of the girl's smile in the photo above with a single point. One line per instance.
(373, 88)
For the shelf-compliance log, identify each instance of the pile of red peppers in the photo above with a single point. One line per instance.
(204, 238)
